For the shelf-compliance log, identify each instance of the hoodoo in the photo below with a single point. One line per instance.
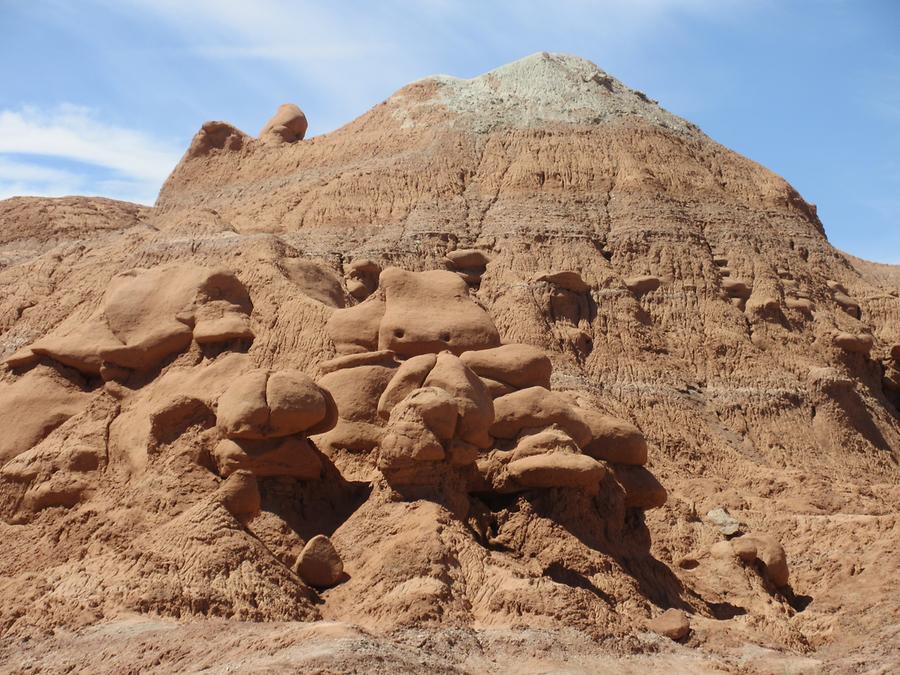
(451, 382)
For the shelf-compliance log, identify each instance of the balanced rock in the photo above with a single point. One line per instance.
(750, 548)
(517, 365)
(568, 279)
(614, 440)
(771, 554)
(467, 258)
(557, 469)
(260, 404)
(319, 564)
(537, 408)
(860, 343)
(287, 125)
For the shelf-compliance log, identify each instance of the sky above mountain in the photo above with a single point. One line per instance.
(101, 97)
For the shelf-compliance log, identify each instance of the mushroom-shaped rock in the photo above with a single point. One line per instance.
(319, 564)
(614, 440)
(537, 408)
(640, 285)
(860, 343)
(290, 457)
(260, 405)
(474, 403)
(239, 493)
(557, 469)
(287, 125)
(567, 279)
(642, 490)
(432, 424)
(673, 624)
(517, 365)
(152, 312)
(79, 348)
(466, 258)
(431, 312)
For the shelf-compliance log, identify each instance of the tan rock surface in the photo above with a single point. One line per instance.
(122, 552)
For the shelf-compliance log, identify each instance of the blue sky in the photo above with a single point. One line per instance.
(103, 96)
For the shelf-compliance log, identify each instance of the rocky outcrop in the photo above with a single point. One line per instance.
(532, 452)
(147, 316)
(288, 125)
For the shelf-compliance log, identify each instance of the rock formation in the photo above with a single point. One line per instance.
(452, 384)
(287, 125)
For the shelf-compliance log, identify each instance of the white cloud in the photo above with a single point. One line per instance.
(357, 53)
(137, 164)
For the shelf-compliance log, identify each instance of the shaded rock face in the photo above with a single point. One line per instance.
(499, 340)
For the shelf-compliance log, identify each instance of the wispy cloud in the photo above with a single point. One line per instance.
(354, 54)
(134, 163)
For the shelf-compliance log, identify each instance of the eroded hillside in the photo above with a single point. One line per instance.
(539, 358)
